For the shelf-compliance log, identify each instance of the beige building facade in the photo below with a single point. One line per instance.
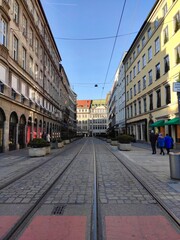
(152, 66)
(30, 75)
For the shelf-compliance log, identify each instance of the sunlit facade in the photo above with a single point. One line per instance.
(32, 84)
(152, 65)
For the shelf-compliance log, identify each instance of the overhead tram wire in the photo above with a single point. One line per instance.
(113, 46)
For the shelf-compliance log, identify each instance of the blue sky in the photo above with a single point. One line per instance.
(86, 61)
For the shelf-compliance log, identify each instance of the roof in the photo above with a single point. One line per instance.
(84, 103)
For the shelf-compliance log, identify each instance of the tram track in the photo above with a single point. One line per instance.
(96, 218)
(26, 172)
(168, 213)
(27, 216)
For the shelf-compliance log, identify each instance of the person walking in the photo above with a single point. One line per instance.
(153, 139)
(168, 143)
(48, 138)
(161, 143)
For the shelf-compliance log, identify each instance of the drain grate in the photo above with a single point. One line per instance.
(58, 210)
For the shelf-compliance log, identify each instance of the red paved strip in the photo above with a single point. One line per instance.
(56, 228)
(139, 228)
(6, 223)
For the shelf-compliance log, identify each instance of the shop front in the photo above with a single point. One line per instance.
(2, 120)
(13, 131)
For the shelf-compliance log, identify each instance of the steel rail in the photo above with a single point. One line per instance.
(4, 185)
(150, 191)
(27, 216)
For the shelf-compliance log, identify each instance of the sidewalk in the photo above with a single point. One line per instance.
(154, 171)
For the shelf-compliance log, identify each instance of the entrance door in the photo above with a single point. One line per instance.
(1, 136)
(12, 131)
(21, 132)
(2, 119)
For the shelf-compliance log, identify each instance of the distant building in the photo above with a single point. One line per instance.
(91, 117)
(116, 103)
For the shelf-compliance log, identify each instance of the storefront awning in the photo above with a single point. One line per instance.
(159, 123)
(173, 121)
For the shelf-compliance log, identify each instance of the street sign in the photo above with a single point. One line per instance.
(176, 87)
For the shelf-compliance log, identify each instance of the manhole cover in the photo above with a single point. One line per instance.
(58, 210)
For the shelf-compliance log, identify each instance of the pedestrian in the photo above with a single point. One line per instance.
(48, 138)
(153, 139)
(161, 143)
(168, 143)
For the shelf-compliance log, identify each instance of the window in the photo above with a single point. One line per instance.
(157, 45)
(127, 95)
(138, 66)
(164, 10)
(139, 103)
(138, 48)
(144, 82)
(158, 71)
(135, 109)
(36, 72)
(177, 54)
(150, 77)
(31, 66)
(139, 86)
(24, 58)
(166, 35)
(15, 48)
(131, 93)
(156, 23)
(130, 60)
(177, 22)
(3, 32)
(149, 32)
(130, 76)
(31, 37)
(158, 92)
(134, 71)
(36, 46)
(166, 64)
(151, 101)
(145, 106)
(143, 61)
(134, 55)
(149, 53)
(143, 42)
(135, 90)
(1, 87)
(168, 94)
(16, 12)
(41, 54)
(127, 79)
(24, 26)
(131, 111)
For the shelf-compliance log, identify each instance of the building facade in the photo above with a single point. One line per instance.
(30, 75)
(83, 115)
(152, 66)
(116, 104)
(91, 117)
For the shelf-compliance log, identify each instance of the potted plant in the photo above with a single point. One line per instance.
(38, 147)
(125, 142)
(60, 143)
(54, 143)
(114, 141)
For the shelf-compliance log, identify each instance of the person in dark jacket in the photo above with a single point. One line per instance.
(161, 143)
(168, 143)
(153, 139)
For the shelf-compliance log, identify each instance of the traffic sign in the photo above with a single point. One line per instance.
(176, 87)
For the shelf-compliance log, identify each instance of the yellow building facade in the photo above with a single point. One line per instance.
(152, 66)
